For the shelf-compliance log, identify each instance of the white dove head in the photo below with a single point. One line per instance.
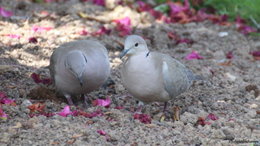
(134, 44)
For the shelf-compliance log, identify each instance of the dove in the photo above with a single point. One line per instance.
(79, 67)
(152, 76)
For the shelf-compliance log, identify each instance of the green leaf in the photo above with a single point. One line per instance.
(164, 8)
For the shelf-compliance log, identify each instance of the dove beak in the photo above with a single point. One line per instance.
(123, 53)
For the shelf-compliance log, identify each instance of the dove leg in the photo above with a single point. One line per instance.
(140, 107)
(68, 97)
(165, 107)
(86, 100)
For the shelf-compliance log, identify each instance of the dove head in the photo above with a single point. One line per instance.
(76, 63)
(134, 44)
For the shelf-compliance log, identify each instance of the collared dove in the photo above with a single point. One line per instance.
(152, 76)
(79, 67)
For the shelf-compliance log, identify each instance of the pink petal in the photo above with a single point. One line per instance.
(123, 26)
(33, 40)
(255, 53)
(102, 102)
(14, 36)
(5, 13)
(212, 117)
(3, 115)
(99, 2)
(193, 55)
(101, 31)
(144, 118)
(2, 95)
(5, 100)
(101, 132)
(65, 112)
(40, 29)
(83, 32)
(142, 6)
(229, 55)
(36, 78)
(187, 41)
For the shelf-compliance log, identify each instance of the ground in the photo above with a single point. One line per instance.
(230, 89)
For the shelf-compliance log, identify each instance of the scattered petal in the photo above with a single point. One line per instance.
(14, 36)
(101, 132)
(255, 54)
(33, 40)
(193, 55)
(187, 41)
(144, 118)
(123, 26)
(99, 2)
(37, 107)
(102, 102)
(5, 100)
(83, 32)
(37, 79)
(3, 115)
(40, 29)
(65, 111)
(201, 121)
(101, 31)
(229, 55)
(212, 116)
(5, 13)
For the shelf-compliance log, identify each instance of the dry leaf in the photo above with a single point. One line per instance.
(176, 113)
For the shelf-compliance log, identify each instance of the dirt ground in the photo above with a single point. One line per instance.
(231, 90)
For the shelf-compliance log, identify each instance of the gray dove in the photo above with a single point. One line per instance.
(152, 76)
(79, 67)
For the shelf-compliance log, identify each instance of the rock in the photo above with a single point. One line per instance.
(228, 134)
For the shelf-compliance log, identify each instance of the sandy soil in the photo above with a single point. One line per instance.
(231, 91)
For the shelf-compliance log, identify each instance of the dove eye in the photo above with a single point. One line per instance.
(136, 44)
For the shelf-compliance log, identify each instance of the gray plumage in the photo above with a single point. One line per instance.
(152, 76)
(79, 67)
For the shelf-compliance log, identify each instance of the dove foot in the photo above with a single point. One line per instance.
(68, 97)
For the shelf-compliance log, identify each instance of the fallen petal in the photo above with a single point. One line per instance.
(193, 55)
(101, 132)
(33, 40)
(3, 115)
(65, 111)
(213, 117)
(102, 102)
(14, 36)
(144, 118)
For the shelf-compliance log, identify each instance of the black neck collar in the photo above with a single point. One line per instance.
(147, 54)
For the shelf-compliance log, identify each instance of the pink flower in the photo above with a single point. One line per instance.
(83, 32)
(142, 6)
(255, 53)
(102, 102)
(119, 107)
(101, 132)
(14, 36)
(102, 30)
(5, 13)
(99, 2)
(40, 29)
(187, 41)
(212, 117)
(37, 79)
(3, 115)
(33, 40)
(5, 100)
(65, 112)
(144, 118)
(242, 27)
(123, 26)
(193, 55)
(229, 55)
